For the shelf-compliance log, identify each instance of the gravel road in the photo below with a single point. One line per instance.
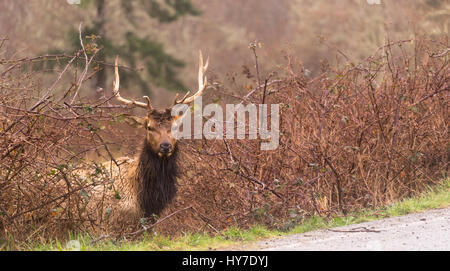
(421, 231)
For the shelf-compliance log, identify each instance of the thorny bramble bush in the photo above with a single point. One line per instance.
(358, 135)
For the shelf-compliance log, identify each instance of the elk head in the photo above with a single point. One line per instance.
(158, 123)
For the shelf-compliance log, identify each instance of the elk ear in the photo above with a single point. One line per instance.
(134, 121)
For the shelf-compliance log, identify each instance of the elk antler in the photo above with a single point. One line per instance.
(123, 100)
(202, 82)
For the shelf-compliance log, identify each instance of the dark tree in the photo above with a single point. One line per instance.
(160, 67)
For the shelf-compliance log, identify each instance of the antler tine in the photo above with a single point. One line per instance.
(201, 70)
(176, 101)
(202, 81)
(119, 98)
(149, 103)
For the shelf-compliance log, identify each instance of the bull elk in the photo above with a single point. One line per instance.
(149, 183)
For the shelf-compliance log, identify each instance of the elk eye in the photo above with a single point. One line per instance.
(150, 128)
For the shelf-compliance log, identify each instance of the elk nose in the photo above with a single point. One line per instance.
(165, 147)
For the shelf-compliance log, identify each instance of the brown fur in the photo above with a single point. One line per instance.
(150, 182)
(156, 178)
(146, 185)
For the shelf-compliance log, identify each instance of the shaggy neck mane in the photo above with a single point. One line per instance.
(156, 180)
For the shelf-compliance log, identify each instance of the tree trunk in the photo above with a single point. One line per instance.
(100, 27)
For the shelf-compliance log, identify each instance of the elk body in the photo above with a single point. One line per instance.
(149, 182)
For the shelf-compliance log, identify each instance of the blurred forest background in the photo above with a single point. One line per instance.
(159, 39)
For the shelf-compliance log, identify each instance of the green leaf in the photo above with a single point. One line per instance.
(117, 195)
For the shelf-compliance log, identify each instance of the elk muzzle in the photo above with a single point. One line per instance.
(165, 148)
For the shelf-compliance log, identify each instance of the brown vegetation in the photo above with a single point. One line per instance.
(359, 135)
